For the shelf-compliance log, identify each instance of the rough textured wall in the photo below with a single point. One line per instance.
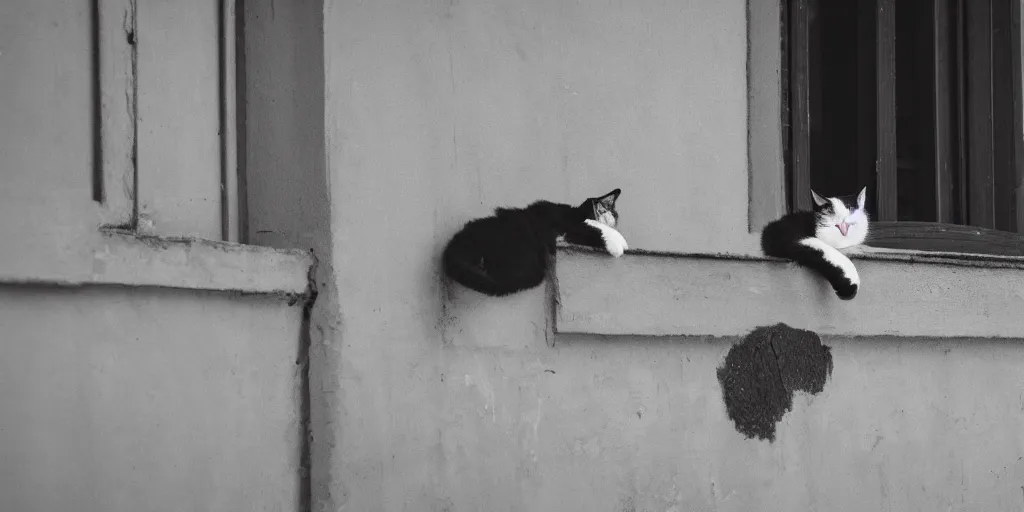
(437, 111)
(44, 104)
(119, 399)
(144, 400)
(288, 192)
(487, 102)
(624, 425)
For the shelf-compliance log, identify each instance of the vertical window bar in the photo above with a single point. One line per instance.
(885, 166)
(799, 105)
(866, 112)
(1004, 116)
(979, 114)
(941, 37)
(960, 24)
(1018, 114)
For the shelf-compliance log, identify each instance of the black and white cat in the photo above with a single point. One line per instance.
(508, 251)
(814, 239)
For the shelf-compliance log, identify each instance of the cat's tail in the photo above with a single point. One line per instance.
(468, 273)
(830, 263)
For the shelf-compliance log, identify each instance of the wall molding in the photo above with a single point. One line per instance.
(124, 259)
(903, 294)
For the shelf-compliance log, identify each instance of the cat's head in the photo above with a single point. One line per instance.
(841, 221)
(602, 209)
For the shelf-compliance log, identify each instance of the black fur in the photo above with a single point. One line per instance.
(782, 237)
(508, 251)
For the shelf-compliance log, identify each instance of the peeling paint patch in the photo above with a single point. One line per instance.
(761, 373)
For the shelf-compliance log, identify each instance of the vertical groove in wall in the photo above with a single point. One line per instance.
(132, 29)
(551, 297)
(242, 207)
(227, 124)
(96, 103)
(222, 121)
(305, 482)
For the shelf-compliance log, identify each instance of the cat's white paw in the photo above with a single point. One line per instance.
(614, 242)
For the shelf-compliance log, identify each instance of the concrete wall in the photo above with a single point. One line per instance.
(441, 399)
(489, 102)
(147, 400)
(119, 397)
(404, 120)
(44, 101)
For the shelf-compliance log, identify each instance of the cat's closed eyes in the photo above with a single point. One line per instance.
(814, 239)
(508, 251)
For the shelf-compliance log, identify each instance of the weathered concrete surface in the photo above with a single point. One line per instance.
(288, 189)
(446, 400)
(129, 260)
(179, 141)
(139, 400)
(117, 398)
(662, 295)
(44, 105)
(429, 397)
(622, 424)
(511, 101)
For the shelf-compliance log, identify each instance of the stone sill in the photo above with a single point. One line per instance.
(903, 293)
(124, 259)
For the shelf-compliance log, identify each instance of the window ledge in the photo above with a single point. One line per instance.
(903, 293)
(124, 259)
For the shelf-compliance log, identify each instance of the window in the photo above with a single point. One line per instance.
(120, 122)
(920, 100)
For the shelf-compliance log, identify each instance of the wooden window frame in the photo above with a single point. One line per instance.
(1005, 120)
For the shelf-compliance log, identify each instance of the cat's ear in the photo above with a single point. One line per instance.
(608, 200)
(861, 198)
(818, 200)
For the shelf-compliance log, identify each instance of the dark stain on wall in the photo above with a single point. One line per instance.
(761, 373)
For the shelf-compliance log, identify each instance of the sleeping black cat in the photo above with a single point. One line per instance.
(508, 251)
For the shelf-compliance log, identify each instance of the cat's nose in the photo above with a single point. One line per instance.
(843, 227)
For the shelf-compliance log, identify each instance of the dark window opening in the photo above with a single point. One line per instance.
(920, 101)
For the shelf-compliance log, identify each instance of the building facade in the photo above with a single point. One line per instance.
(220, 282)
